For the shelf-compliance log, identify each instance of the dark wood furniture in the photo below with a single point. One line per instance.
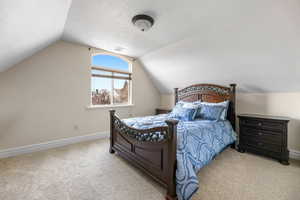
(158, 159)
(265, 135)
(162, 111)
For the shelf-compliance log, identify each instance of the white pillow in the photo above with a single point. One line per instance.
(190, 105)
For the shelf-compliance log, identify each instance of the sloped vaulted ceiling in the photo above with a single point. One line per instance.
(255, 44)
(27, 26)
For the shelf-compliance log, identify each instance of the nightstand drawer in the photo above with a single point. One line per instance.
(162, 111)
(262, 135)
(267, 125)
(261, 145)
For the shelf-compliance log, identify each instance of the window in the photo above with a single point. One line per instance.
(110, 81)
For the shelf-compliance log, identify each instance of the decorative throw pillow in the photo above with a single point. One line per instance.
(223, 104)
(188, 114)
(183, 113)
(210, 112)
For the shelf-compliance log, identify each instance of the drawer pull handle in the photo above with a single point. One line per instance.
(259, 124)
(259, 133)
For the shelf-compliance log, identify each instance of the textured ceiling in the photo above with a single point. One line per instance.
(252, 43)
(27, 26)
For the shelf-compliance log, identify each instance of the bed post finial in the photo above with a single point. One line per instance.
(176, 95)
(172, 161)
(233, 100)
(233, 94)
(233, 86)
(112, 112)
(112, 121)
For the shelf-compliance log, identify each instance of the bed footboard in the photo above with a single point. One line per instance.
(156, 157)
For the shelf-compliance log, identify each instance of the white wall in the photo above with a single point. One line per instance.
(45, 97)
(279, 104)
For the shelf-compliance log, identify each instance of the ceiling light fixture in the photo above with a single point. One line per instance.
(119, 49)
(143, 22)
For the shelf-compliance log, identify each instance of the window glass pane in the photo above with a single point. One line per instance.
(101, 90)
(99, 72)
(112, 62)
(121, 91)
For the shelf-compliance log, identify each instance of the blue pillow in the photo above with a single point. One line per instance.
(210, 112)
(182, 113)
(224, 104)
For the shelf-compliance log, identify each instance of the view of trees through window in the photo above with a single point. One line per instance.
(110, 81)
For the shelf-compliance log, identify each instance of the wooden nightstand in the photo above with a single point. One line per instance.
(265, 135)
(162, 111)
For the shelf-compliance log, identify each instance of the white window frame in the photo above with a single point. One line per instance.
(104, 68)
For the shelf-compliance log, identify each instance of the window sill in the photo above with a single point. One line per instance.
(91, 107)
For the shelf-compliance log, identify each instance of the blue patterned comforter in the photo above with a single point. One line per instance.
(198, 142)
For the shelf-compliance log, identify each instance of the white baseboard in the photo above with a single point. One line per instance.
(51, 144)
(295, 154)
(66, 141)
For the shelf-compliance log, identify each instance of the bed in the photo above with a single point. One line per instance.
(172, 151)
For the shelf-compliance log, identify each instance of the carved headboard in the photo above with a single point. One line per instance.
(210, 93)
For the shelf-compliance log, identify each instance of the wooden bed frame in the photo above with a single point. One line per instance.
(158, 159)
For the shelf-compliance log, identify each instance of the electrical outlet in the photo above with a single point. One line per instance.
(76, 128)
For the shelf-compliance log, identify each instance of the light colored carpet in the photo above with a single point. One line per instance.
(87, 171)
